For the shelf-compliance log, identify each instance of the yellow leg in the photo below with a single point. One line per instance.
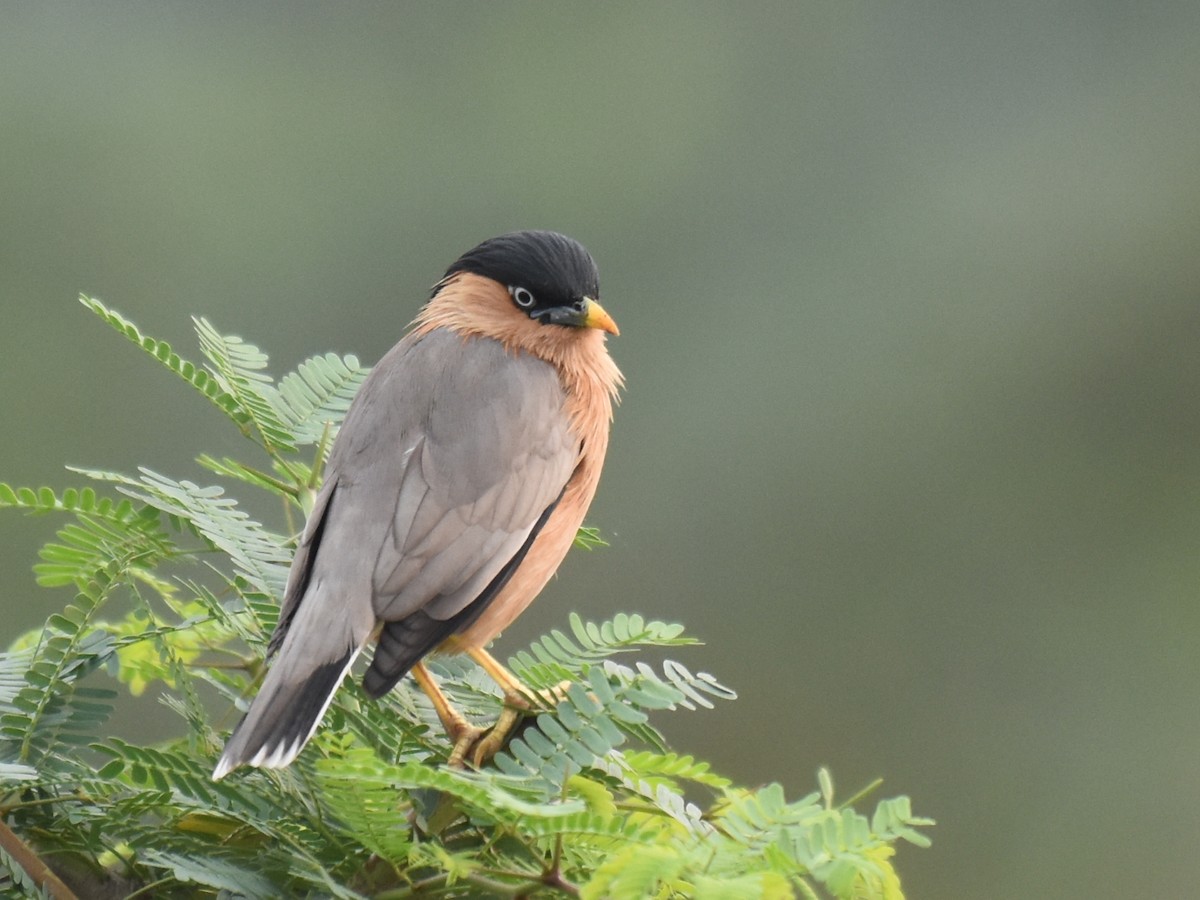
(515, 693)
(458, 729)
(518, 701)
(476, 744)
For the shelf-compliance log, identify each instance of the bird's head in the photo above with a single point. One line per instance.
(548, 277)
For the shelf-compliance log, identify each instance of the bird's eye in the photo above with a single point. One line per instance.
(522, 297)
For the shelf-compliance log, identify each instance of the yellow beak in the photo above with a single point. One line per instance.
(595, 316)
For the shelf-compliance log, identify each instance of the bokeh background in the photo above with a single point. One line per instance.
(910, 302)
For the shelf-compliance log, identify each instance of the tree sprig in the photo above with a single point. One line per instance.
(176, 591)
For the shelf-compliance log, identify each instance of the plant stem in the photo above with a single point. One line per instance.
(146, 889)
(870, 788)
(41, 874)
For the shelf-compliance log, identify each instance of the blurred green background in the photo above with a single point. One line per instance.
(910, 310)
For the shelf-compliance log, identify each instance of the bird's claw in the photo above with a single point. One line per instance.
(479, 745)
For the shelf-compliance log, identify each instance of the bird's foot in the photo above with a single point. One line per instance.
(465, 740)
(479, 745)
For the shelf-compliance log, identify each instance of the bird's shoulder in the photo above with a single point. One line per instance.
(440, 385)
(474, 414)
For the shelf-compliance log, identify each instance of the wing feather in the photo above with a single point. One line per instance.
(447, 463)
(468, 445)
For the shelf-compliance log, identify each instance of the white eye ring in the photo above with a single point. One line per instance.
(522, 297)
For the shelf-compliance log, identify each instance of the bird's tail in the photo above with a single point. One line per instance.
(283, 716)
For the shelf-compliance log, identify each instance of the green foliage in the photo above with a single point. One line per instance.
(176, 589)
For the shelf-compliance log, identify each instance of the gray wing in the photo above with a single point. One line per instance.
(450, 459)
(301, 569)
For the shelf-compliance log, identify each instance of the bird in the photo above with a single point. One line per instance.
(455, 486)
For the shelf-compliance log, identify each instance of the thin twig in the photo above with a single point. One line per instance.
(146, 889)
(870, 788)
(6, 808)
(43, 876)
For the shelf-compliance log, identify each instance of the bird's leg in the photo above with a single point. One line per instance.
(519, 700)
(458, 729)
(515, 693)
(479, 745)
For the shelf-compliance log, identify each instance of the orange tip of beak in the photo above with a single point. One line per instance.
(595, 316)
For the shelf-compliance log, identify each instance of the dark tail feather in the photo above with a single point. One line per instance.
(282, 717)
(401, 646)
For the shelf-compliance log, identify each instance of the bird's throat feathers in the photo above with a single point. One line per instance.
(475, 306)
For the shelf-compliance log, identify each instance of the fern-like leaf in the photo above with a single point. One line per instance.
(239, 368)
(558, 657)
(260, 555)
(231, 468)
(586, 794)
(16, 882)
(104, 530)
(318, 393)
(589, 538)
(196, 376)
(51, 708)
(212, 872)
(672, 768)
(85, 501)
(89, 544)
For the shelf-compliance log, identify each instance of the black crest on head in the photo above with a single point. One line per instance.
(556, 269)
